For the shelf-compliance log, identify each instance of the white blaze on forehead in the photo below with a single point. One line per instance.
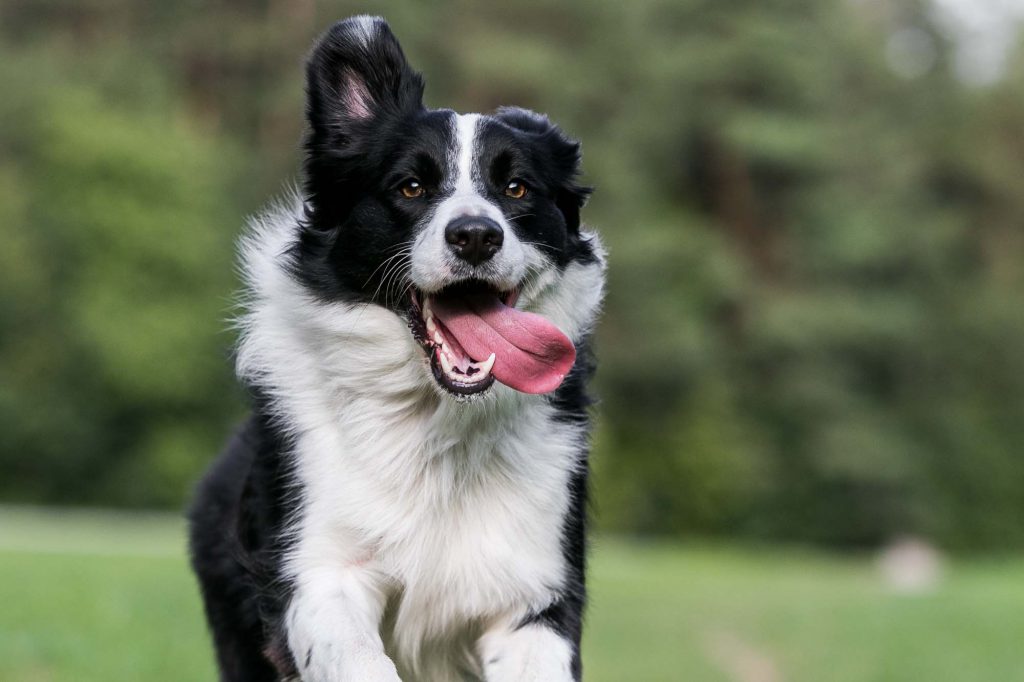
(465, 139)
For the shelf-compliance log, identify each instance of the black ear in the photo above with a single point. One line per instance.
(570, 199)
(564, 156)
(356, 74)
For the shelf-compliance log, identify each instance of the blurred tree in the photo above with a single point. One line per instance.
(115, 279)
(813, 324)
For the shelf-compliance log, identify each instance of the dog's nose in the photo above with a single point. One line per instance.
(474, 239)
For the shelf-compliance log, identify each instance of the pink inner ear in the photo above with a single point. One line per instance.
(355, 97)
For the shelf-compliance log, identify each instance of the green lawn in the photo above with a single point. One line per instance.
(104, 598)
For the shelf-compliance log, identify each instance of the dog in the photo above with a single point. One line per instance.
(407, 500)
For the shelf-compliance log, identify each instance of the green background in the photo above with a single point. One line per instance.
(812, 343)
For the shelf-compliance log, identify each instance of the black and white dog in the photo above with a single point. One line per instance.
(407, 500)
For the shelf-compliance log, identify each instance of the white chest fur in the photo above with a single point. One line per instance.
(451, 513)
(457, 510)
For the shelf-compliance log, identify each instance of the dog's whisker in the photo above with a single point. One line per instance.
(409, 285)
(540, 245)
(391, 276)
(405, 250)
(392, 263)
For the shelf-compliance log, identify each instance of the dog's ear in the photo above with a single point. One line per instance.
(571, 196)
(564, 157)
(570, 199)
(356, 74)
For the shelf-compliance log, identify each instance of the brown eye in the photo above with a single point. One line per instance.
(515, 189)
(412, 189)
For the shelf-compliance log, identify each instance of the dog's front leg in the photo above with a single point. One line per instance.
(333, 624)
(531, 653)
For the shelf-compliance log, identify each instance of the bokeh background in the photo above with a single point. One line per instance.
(812, 353)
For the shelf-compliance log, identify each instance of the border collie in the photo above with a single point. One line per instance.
(407, 500)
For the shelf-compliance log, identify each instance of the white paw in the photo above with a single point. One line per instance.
(530, 654)
(350, 666)
(537, 668)
(382, 670)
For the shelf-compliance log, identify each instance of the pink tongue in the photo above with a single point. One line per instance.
(531, 354)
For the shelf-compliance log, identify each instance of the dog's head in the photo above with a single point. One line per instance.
(465, 226)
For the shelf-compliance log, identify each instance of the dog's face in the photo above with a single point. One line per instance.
(459, 224)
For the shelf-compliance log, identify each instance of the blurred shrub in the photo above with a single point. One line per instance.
(114, 281)
(813, 328)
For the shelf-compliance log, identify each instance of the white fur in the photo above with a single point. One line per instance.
(529, 654)
(346, 606)
(424, 522)
(364, 28)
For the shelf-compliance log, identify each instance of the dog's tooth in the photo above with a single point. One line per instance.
(446, 364)
(438, 339)
(485, 366)
(483, 370)
(432, 326)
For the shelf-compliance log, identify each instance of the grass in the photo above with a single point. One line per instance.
(97, 597)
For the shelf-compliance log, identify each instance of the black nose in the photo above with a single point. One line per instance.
(474, 239)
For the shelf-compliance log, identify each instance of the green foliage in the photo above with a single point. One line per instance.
(813, 323)
(113, 294)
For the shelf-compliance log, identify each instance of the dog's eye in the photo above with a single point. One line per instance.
(515, 189)
(411, 189)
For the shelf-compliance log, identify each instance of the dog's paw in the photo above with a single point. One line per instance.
(528, 654)
(533, 667)
(379, 670)
(350, 666)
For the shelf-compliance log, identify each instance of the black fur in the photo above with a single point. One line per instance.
(236, 542)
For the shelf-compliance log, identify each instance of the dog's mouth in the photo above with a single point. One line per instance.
(473, 335)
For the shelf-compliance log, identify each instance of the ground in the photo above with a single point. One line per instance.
(103, 598)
